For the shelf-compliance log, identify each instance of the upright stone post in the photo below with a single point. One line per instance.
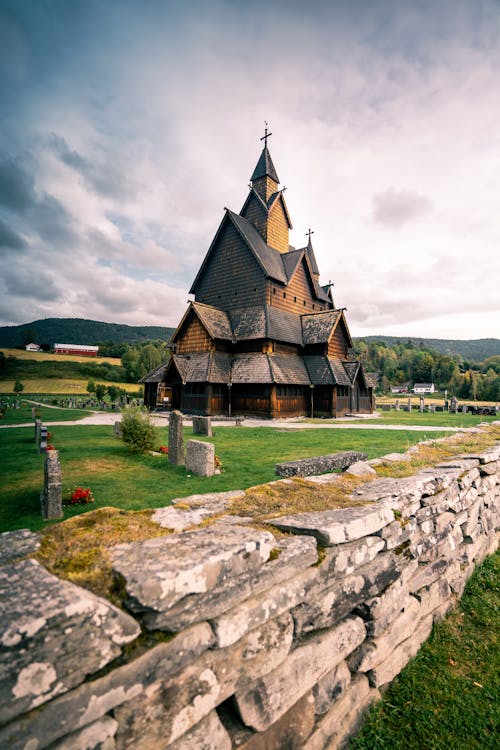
(51, 495)
(421, 406)
(38, 424)
(396, 407)
(202, 426)
(42, 445)
(409, 404)
(176, 455)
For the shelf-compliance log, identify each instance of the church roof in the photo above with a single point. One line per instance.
(215, 321)
(318, 327)
(267, 257)
(156, 375)
(352, 370)
(326, 370)
(288, 368)
(266, 322)
(264, 167)
(312, 257)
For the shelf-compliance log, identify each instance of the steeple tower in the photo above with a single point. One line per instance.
(265, 205)
(311, 255)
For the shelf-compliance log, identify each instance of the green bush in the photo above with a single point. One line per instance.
(137, 431)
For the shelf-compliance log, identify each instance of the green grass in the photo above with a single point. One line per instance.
(23, 414)
(449, 695)
(92, 457)
(439, 419)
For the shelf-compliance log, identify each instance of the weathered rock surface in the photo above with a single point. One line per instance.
(329, 689)
(401, 655)
(361, 469)
(307, 467)
(161, 572)
(337, 526)
(97, 736)
(271, 696)
(200, 458)
(15, 545)
(208, 734)
(191, 511)
(53, 634)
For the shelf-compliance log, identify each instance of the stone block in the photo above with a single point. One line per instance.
(380, 611)
(15, 545)
(371, 653)
(176, 455)
(42, 443)
(208, 734)
(361, 469)
(289, 732)
(187, 570)
(53, 635)
(344, 718)
(329, 689)
(194, 509)
(38, 425)
(97, 736)
(401, 655)
(200, 458)
(397, 533)
(337, 526)
(427, 573)
(202, 426)
(325, 607)
(433, 596)
(171, 707)
(51, 495)
(319, 465)
(269, 697)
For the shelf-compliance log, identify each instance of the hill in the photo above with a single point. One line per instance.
(475, 350)
(79, 331)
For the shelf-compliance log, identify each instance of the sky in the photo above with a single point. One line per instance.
(126, 127)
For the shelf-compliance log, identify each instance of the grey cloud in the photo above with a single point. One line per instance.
(17, 186)
(9, 239)
(397, 207)
(106, 179)
(31, 282)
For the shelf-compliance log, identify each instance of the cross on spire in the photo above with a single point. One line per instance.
(308, 233)
(266, 135)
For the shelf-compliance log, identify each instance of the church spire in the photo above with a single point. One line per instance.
(311, 255)
(264, 179)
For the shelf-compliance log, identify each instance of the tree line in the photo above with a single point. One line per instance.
(416, 363)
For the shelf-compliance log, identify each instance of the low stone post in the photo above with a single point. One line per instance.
(38, 424)
(176, 455)
(464, 409)
(202, 426)
(397, 405)
(117, 431)
(51, 495)
(200, 458)
(421, 406)
(433, 408)
(409, 404)
(42, 445)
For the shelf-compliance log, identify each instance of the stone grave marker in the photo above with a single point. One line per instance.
(202, 426)
(421, 404)
(396, 406)
(51, 495)
(117, 430)
(38, 424)
(176, 455)
(42, 445)
(200, 458)
(409, 404)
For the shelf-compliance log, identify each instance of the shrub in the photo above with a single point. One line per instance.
(137, 431)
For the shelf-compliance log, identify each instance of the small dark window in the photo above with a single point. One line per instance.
(313, 307)
(295, 299)
(284, 295)
(304, 303)
(274, 290)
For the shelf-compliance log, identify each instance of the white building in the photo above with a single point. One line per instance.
(33, 348)
(424, 388)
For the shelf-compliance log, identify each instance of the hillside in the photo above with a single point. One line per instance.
(79, 331)
(475, 350)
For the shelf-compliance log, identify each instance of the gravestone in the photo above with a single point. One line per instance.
(397, 404)
(433, 408)
(117, 429)
(51, 495)
(409, 404)
(464, 409)
(421, 404)
(38, 424)
(176, 439)
(202, 426)
(453, 405)
(200, 458)
(42, 445)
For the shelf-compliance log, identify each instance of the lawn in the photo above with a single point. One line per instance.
(438, 419)
(449, 695)
(92, 457)
(45, 413)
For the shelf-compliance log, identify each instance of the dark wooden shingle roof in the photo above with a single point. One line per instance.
(215, 321)
(318, 327)
(264, 167)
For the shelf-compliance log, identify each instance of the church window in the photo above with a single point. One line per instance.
(284, 295)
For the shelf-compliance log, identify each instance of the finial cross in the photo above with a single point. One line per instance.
(266, 135)
(308, 233)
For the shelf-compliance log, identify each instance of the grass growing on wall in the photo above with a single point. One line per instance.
(91, 457)
(449, 695)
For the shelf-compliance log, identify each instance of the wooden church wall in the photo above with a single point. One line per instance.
(277, 228)
(232, 277)
(337, 346)
(194, 339)
(292, 297)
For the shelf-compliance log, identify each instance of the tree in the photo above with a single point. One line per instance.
(113, 392)
(91, 386)
(137, 429)
(100, 391)
(18, 387)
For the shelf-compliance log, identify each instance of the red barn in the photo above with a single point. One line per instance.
(80, 349)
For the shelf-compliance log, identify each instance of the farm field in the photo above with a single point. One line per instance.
(49, 357)
(439, 419)
(93, 457)
(67, 386)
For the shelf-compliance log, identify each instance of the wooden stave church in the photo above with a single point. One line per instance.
(262, 337)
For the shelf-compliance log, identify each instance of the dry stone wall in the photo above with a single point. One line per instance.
(275, 641)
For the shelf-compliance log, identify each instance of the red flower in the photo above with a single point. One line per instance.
(163, 449)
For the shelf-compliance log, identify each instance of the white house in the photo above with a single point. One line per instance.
(33, 348)
(424, 388)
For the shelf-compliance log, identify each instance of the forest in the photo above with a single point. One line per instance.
(417, 363)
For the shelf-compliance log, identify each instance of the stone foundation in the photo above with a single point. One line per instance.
(276, 640)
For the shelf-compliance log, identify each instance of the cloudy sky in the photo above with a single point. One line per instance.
(126, 126)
